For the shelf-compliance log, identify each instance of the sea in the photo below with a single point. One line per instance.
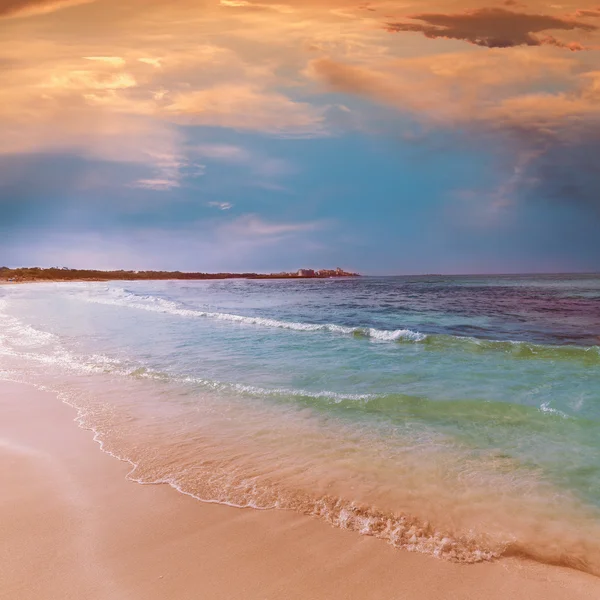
(453, 416)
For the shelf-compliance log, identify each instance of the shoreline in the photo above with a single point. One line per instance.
(110, 280)
(67, 503)
(55, 275)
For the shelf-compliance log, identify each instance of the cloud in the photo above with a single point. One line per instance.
(98, 135)
(461, 90)
(223, 152)
(494, 28)
(448, 88)
(160, 185)
(565, 129)
(88, 81)
(113, 61)
(247, 108)
(423, 97)
(245, 5)
(13, 8)
(592, 13)
(221, 205)
(234, 3)
(153, 62)
(64, 93)
(113, 84)
(254, 226)
(547, 140)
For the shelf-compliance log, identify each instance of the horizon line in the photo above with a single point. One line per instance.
(428, 274)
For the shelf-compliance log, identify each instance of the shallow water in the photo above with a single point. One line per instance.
(457, 416)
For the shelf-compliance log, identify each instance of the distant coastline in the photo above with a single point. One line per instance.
(32, 274)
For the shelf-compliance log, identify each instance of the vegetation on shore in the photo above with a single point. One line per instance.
(65, 274)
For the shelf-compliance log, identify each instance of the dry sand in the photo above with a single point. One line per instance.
(72, 527)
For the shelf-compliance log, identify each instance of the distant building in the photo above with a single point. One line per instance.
(306, 273)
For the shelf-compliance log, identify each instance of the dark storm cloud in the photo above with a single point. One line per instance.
(552, 141)
(494, 28)
(568, 173)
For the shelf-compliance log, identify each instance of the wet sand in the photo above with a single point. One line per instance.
(72, 527)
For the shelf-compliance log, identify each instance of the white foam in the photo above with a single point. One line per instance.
(20, 334)
(546, 408)
(258, 391)
(396, 335)
(24, 342)
(119, 297)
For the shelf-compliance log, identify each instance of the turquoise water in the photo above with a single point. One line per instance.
(455, 416)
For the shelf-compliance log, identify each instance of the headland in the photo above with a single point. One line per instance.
(32, 274)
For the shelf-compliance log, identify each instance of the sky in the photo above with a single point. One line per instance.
(391, 137)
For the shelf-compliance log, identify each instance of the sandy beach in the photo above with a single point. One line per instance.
(73, 526)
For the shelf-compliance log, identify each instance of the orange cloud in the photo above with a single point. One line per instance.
(445, 89)
(110, 81)
(593, 13)
(244, 107)
(33, 7)
(564, 113)
(418, 95)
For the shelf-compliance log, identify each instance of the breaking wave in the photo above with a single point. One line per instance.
(515, 349)
(120, 297)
